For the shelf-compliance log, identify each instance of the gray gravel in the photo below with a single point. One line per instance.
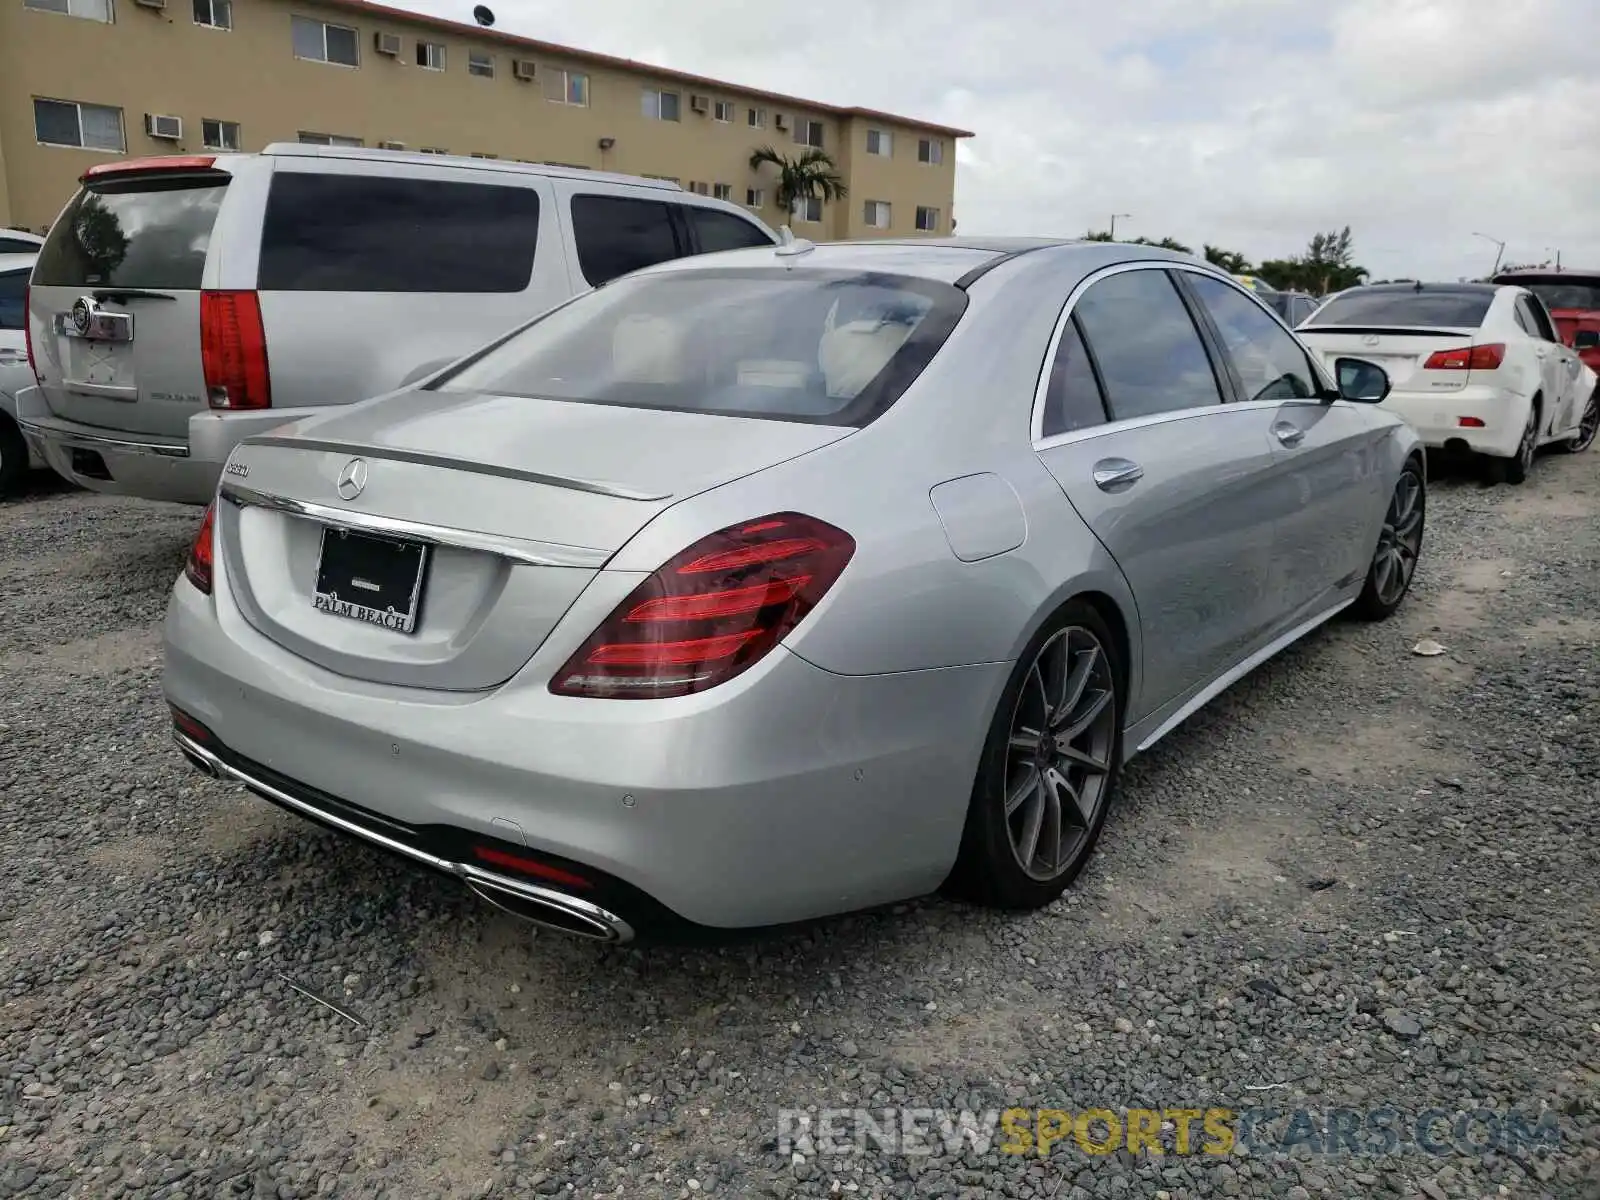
(1362, 878)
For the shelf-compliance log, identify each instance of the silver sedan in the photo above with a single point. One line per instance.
(777, 583)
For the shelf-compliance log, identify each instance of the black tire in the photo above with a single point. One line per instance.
(988, 869)
(1379, 598)
(1515, 469)
(13, 458)
(1588, 425)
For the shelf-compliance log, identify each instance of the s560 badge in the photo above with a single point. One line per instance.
(236, 468)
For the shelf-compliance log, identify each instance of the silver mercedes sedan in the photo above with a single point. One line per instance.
(782, 582)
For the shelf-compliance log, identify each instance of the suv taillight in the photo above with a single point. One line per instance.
(27, 329)
(710, 613)
(233, 350)
(201, 553)
(1467, 358)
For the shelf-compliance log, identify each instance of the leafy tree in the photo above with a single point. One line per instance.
(1166, 243)
(99, 239)
(1230, 261)
(811, 175)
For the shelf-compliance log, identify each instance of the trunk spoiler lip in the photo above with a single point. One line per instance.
(598, 487)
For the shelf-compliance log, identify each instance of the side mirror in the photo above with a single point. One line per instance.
(1586, 339)
(1361, 381)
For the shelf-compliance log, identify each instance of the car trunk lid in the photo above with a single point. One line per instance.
(479, 519)
(1400, 351)
(115, 300)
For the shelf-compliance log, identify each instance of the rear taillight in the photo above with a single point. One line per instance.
(712, 612)
(1467, 358)
(233, 350)
(201, 553)
(27, 329)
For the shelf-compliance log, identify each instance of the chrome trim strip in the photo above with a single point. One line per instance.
(92, 441)
(475, 877)
(422, 458)
(1237, 672)
(531, 553)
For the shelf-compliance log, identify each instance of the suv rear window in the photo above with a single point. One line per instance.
(1565, 294)
(1406, 310)
(365, 233)
(830, 347)
(618, 234)
(136, 233)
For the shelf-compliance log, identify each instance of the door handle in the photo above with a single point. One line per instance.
(1289, 435)
(1113, 473)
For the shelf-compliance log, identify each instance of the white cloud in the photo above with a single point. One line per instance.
(1250, 124)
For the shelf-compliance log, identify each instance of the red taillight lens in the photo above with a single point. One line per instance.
(27, 329)
(710, 613)
(233, 350)
(1470, 422)
(198, 568)
(1467, 358)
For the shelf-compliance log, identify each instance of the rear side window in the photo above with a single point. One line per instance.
(1268, 361)
(364, 233)
(618, 234)
(1072, 400)
(13, 287)
(1150, 355)
(140, 233)
(17, 246)
(1406, 310)
(724, 231)
(830, 347)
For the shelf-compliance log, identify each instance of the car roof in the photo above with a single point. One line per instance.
(16, 262)
(1550, 275)
(1435, 289)
(510, 166)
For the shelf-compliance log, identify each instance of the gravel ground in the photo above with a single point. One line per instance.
(1362, 878)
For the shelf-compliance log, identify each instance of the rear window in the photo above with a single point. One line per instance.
(822, 346)
(137, 233)
(1562, 294)
(364, 233)
(618, 234)
(1417, 310)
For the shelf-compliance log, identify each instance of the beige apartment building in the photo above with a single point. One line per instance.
(86, 80)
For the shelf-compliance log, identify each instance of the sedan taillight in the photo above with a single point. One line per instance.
(711, 612)
(1467, 358)
(201, 553)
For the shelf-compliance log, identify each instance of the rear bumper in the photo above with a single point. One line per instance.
(1437, 417)
(786, 794)
(183, 470)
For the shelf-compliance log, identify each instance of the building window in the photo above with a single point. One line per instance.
(927, 219)
(328, 139)
(757, 118)
(87, 126)
(808, 133)
(755, 198)
(661, 106)
(700, 189)
(481, 65)
(877, 214)
(879, 142)
(723, 111)
(214, 14)
(930, 150)
(89, 10)
(480, 154)
(219, 135)
(809, 209)
(723, 191)
(566, 87)
(432, 150)
(662, 178)
(317, 41)
(430, 55)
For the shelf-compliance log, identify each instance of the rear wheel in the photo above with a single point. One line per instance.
(1049, 767)
(1588, 425)
(13, 457)
(1399, 546)
(1515, 469)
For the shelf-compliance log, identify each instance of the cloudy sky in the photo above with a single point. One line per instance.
(1249, 124)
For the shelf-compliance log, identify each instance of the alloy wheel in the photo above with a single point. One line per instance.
(1400, 541)
(1587, 427)
(1530, 438)
(1058, 757)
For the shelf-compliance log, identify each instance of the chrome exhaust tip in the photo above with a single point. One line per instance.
(554, 911)
(198, 763)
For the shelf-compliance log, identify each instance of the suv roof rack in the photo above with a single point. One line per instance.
(414, 158)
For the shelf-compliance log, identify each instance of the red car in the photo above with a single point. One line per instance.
(1573, 298)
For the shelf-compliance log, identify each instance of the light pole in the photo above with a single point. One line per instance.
(1556, 250)
(1499, 253)
(1114, 217)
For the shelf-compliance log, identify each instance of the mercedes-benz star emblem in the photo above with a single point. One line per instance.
(352, 479)
(83, 313)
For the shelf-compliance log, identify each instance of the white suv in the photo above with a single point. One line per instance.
(182, 304)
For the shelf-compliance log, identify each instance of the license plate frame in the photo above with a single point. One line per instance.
(356, 584)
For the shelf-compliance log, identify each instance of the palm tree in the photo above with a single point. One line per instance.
(810, 176)
(1229, 260)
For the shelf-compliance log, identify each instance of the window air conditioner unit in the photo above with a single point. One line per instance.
(524, 69)
(387, 43)
(167, 128)
(391, 145)
(158, 4)
(699, 103)
(780, 121)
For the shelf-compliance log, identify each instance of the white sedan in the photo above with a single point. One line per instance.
(1473, 366)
